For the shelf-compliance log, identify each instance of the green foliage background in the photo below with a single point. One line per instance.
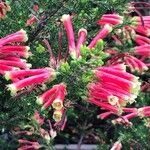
(80, 122)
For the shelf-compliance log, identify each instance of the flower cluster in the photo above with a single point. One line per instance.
(15, 68)
(55, 97)
(25, 78)
(11, 55)
(114, 86)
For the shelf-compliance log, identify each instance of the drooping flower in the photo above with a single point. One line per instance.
(54, 96)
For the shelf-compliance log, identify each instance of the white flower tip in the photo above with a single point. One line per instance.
(108, 27)
(65, 17)
(73, 54)
(29, 65)
(53, 133)
(113, 100)
(23, 60)
(28, 54)
(25, 35)
(12, 89)
(57, 115)
(7, 75)
(27, 48)
(57, 104)
(82, 30)
(39, 101)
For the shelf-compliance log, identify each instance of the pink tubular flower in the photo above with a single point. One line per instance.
(121, 67)
(4, 68)
(118, 73)
(123, 83)
(21, 64)
(125, 119)
(135, 64)
(142, 38)
(32, 145)
(111, 93)
(33, 80)
(15, 54)
(132, 113)
(66, 19)
(104, 115)
(117, 146)
(105, 106)
(120, 93)
(131, 64)
(142, 30)
(60, 96)
(14, 48)
(48, 102)
(111, 99)
(113, 19)
(25, 73)
(141, 66)
(144, 111)
(19, 36)
(55, 97)
(130, 110)
(140, 42)
(81, 39)
(98, 92)
(31, 20)
(143, 50)
(35, 7)
(114, 16)
(114, 87)
(46, 96)
(101, 35)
